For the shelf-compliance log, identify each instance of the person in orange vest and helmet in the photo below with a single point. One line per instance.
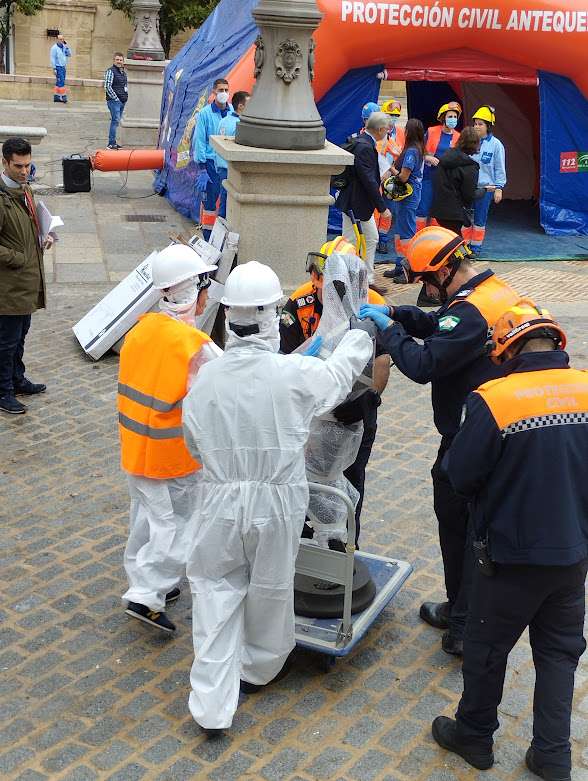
(453, 357)
(520, 458)
(492, 161)
(390, 148)
(159, 360)
(299, 320)
(438, 139)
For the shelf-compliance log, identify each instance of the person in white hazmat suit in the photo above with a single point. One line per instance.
(247, 418)
(158, 361)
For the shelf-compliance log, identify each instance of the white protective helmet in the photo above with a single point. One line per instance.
(175, 264)
(252, 284)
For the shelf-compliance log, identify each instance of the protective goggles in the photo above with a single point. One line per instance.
(315, 261)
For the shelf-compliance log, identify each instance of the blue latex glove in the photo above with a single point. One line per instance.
(376, 312)
(202, 181)
(314, 347)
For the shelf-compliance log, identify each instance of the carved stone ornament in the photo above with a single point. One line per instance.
(259, 58)
(146, 23)
(288, 61)
(311, 57)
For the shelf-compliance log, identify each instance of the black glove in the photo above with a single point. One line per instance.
(355, 410)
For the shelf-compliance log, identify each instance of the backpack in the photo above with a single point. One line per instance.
(343, 179)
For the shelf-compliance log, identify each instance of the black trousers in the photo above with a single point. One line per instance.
(455, 539)
(13, 331)
(452, 225)
(356, 472)
(551, 602)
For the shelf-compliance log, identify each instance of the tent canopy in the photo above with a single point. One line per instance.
(354, 42)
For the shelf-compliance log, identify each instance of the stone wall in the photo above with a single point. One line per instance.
(91, 28)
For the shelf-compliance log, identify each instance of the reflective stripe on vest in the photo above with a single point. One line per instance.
(148, 431)
(154, 365)
(434, 138)
(147, 401)
(527, 400)
(492, 298)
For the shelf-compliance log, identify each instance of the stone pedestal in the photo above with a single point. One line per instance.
(140, 123)
(278, 202)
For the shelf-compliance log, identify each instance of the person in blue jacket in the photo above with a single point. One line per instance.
(228, 128)
(409, 170)
(59, 54)
(492, 161)
(520, 458)
(208, 181)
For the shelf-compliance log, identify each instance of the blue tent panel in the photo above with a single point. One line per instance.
(213, 51)
(564, 128)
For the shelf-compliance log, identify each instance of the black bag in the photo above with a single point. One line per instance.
(343, 179)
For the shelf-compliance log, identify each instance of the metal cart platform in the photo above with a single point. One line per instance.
(337, 637)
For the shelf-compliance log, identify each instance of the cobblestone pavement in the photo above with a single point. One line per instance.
(86, 693)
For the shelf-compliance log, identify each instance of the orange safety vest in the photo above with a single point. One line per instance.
(492, 298)
(152, 382)
(305, 299)
(434, 137)
(392, 146)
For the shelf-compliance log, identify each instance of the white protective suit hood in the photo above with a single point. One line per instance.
(266, 320)
(181, 300)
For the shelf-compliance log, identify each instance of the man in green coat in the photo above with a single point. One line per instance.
(22, 281)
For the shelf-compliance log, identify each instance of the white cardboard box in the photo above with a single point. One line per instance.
(109, 321)
(118, 311)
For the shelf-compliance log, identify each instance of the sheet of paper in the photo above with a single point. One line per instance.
(47, 222)
(384, 165)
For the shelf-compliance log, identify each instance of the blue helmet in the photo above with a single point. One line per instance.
(369, 109)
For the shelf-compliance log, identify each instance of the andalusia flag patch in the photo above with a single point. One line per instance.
(448, 322)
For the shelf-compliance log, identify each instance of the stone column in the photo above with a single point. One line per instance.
(278, 202)
(145, 66)
(146, 44)
(282, 113)
(279, 163)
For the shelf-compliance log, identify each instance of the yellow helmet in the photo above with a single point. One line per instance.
(315, 261)
(486, 113)
(392, 107)
(397, 190)
(453, 105)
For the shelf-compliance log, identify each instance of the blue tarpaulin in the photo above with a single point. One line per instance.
(564, 130)
(221, 41)
(228, 33)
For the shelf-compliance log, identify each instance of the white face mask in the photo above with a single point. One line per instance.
(181, 301)
(222, 98)
(267, 320)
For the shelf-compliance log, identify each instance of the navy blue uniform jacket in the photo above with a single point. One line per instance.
(362, 195)
(521, 455)
(453, 356)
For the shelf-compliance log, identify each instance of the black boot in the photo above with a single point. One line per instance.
(547, 772)
(445, 732)
(451, 644)
(436, 614)
(424, 300)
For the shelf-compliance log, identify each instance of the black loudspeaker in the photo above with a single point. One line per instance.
(76, 174)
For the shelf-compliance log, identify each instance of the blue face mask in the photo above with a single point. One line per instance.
(451, 122)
